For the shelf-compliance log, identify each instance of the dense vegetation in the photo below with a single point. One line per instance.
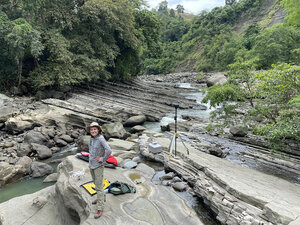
(63, 42)
(213, 40)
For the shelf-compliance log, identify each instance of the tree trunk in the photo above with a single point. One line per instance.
(20, 65)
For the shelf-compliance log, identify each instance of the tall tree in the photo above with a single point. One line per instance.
(229, 2)
(22, 38)
(179, 9)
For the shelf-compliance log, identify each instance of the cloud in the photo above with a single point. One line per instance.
(192, 6)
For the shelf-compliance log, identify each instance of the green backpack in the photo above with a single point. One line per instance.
(118, 187)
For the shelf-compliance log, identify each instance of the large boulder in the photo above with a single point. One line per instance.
(238, 131)
(51, 178)
(137, 129)
(83, 142)
(66, 138)
(35, 137)
(25, 161)
(114, 130)
(117, 144)
(23, 149)
(20, 124)
(6, 112)
(217, 78)
(10, 173)
(40, 169)
(43, 151)
(135, 120)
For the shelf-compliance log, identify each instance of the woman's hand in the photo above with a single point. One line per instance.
(99, 158)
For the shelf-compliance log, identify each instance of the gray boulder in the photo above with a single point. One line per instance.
(40, 169)
(114, 130)
(43, 151)
(6, 112)
(137, 129)
(165, 128)
(179, 186)
(217, 78)
(20, 124)
(51, 178)
(117, 144)
(25, 161)
(135, 120)
(66, 138)
(10, 173)
(83, 142)
(130, 165)
(35, 137)
(167, 176)
(23, 149)
(238, 131)
(216, 151)
(61, 142)
(128, 155)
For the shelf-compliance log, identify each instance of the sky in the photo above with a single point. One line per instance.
(191, 6)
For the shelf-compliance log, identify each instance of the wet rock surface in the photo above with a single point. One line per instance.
(56, 123)
(68, 203)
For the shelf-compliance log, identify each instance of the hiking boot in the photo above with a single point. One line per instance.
(94, 202)
(98, 214)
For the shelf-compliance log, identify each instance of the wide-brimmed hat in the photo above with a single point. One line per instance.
(93, 124)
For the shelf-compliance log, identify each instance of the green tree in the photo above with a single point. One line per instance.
(180, 9)
(268, 97)
(21, 38)
(275, 44)
(292, 7)
(229, 2)
(163, 7)
(172, 13)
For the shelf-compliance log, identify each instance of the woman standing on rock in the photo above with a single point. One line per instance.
(99, 153)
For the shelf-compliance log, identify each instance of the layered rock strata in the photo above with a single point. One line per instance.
(237, 195)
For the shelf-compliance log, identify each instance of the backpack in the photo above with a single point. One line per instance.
(118, 187)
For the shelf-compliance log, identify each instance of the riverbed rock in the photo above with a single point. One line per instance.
(114, 130)
(8, 144)
(23, 149)
(128, 155)
(137, 129)
(6, 112)
(10, 173)
(179, 186)
(117, 144)
(215, 150)
(51, 178)
(165, 127)
(35, 137)
(20, 124)
(129, 165)
(168, 176)
(217, 78)
(135, 120)
(40, 169)
(83, 142)
(146, 170)
(238, 131)
(66, 138)
(70, 204)
(25, 161)
(60, 142)
(43, 151)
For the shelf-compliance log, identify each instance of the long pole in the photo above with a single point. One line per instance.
(175, 118)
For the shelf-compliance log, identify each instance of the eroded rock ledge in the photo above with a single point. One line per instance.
(237, 195)
(68, 203)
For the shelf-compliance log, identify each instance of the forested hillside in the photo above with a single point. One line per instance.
(56, 43)
(213, 40)
(64, 42)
